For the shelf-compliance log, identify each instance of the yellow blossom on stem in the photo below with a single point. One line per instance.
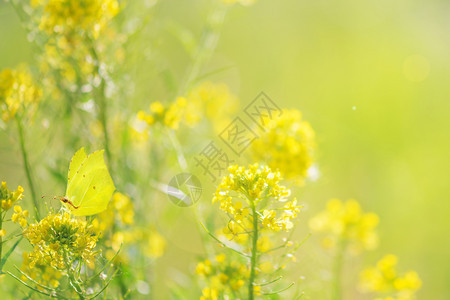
(257, 184)
(68, 16)
(209, 294)
(256, 204)
(345, 222)
(384, 280)
(41, 273)
(8, 198)
(224, 276)
(20, 216)
(170, 116)
(211, 101)
(19, 93)
(286, 145)
(156, 244)
(60, 240)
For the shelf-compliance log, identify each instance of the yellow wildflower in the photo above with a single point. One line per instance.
(170, 116)
(255, 184)
(345, 222)
(69, 16)
(156, 244)
(204, 267)
(18, 93)
(20, 215)
(221, 258)
(120, 210)
(43, 274)
(287, 145)
(213, 101)
(383, 279)
(264, 244)
(60, 239)
(8, 198)
(225, 276)
(236, 232)
(209, 294)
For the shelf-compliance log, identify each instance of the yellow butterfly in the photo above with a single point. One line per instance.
(89, 185)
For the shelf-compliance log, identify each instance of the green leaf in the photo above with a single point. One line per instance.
(7, 254)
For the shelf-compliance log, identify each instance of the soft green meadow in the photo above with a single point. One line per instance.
(224, 149)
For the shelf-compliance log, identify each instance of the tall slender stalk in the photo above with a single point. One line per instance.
(27, 168)
(253, 258)
(102, 105)
(72, 280)
(104, 122)
(208, 43)
(177, 146)
(337, 269)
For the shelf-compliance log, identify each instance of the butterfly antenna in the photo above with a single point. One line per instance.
(46, 196)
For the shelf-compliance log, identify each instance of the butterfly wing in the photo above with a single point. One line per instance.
(91, 186)
(75, 163)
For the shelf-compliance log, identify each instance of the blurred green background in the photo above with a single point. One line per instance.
(372, 77)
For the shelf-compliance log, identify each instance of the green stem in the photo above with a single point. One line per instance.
(75, 285)
(102, 105)
(208, 43)
(72, 280)
(254, 252)
(104, 122)
(178, 149)
(27, 167)
(337, 269)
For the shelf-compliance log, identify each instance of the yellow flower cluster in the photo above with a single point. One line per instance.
(212, 100)
(18, 93)
(290, 211)
(253, 182)
(59, 240)
(43, 274)
(257, 185)
(8, 198)
(149, 240)
(114, 227)
(287, 145)
(170, 116)
(120, 211)
(385, 280)
(20, 216)
(75, 35)
(237, 231)
(346, 223)
(154, 244)
(224, 276)
(70, 62)
(75, 16)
